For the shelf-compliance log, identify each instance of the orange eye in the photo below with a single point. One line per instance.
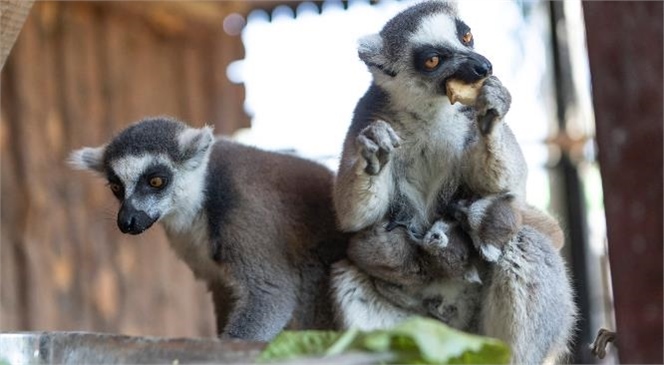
(115, 188)
(431, 63)
(467, 37)
(156, 182)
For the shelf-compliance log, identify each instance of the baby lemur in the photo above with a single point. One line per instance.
(521, 295)
(412, 273)
(257, 227)
(410, 155)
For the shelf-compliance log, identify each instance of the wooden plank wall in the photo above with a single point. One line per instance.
(78, 73)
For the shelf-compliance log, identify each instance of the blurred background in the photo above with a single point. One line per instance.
(586, 82)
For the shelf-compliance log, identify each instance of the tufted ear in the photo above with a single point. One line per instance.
(453, 6)
(88, 158)
(370, 50)
(195, 144)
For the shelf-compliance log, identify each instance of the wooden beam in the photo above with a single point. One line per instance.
(625, 56)
(12, 17)
(175, 17)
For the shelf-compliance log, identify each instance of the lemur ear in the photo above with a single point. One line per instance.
(370, 50)
(88, 158)
(453, 5)
(195, 145)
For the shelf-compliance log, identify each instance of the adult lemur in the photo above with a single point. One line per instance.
(258, 227)
(420, 176)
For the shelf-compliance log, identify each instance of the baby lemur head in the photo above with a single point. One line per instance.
(155, 168)
(490, 221)
(419, 49)
(487, 223)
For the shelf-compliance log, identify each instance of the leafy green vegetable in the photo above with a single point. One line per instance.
(292, 344)
(416, 341)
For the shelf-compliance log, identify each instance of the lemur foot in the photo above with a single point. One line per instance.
(492, 104)
(375, 143)
(598, 347)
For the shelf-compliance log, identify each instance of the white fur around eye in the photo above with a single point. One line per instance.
(129, 168)
(437, 28)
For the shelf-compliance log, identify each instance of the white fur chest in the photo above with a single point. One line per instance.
(194, 248)
(429, 159)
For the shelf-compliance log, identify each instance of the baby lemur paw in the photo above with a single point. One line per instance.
(492, 104)
(375, 143)
(489, 252)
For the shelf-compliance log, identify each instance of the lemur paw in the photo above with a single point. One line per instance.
(489, 252)
(375, 143)
(436, 236)
(492, 104)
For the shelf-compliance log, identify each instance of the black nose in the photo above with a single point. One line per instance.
(483, 69)
(471, 68)
(126, 223)
(133, 221)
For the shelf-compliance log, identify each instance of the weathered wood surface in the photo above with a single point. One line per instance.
(102, 348)
(12, 17)
(78, 73)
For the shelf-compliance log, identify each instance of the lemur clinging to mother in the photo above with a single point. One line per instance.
(416, 167)
(258, 227)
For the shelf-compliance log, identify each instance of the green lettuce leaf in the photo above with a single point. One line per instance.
(415, 341)
(293, 344)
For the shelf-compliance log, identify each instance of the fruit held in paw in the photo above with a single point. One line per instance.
(462, 92)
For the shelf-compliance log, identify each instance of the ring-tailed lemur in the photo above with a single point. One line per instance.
(408, 155)
(257, 226)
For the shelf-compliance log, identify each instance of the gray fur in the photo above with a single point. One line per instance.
(422, 276)
(410, 155)
(528, 300)
(257, 227)
(523, 295)
(154, 136)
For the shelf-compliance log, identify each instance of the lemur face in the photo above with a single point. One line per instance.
(153, 167)
(421, 48)
(143, 185)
